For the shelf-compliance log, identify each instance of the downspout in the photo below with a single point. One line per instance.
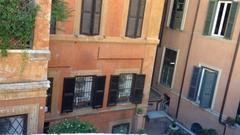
(164, 16)
(228, 83)
(187, 59)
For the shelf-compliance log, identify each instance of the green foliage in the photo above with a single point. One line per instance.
(139, 111)
(72, 126)
(60, 11)
(230, 121)
(208, 132)
(238, 120)
(141, 131)
(17, 19)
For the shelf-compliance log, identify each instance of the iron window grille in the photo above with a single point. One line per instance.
(125, 87)
(83, 91)
(121, 128)
(13, 125)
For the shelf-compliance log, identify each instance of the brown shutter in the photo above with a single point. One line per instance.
(68, 94)
(98, 91)
(113, 90)
(137, 89)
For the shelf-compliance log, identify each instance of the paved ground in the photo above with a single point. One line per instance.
(157, 126)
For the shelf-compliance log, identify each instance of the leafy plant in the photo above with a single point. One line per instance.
(17, 19)
(139, 111)
(72, 126)
(230, 121)
(141, 131)
(60, 11)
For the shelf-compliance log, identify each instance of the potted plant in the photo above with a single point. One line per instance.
(173, 126)
(138, 119)
(230, 121)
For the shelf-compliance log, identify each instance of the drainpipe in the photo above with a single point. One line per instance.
(228, 83)
(164, 16)
(187, 59)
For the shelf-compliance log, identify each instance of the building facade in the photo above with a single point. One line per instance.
(197, 65)
(23, 80)
(102, 60)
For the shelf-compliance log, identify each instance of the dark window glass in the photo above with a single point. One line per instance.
(121, 128)
(83, 90)
(125, 87)
(177, 14)
(46, 127)
(168, 67)
(90, 17)
(219, 18)
(135, 18)
(13, 125)
(226, 19)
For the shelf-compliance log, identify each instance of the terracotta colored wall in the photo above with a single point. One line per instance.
(209, 51)
(108, 53)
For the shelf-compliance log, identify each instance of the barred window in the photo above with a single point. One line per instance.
(13, 125)
(125, 86)
(83, 90)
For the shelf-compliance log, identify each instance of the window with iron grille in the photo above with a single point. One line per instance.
(125, 87)
(13, 125)
(121, 128)
(82, 92)
(90, 17)
(135, 18)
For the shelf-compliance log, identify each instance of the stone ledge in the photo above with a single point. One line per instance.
(34, 55)
(25, 86)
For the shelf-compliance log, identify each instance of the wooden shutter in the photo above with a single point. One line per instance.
(86, 17)
(210, 15)
(68, 94)
(135, 18)
(53, 24)
(96, 17)
(113, 90)
(177, 14)
(137, 89)
(194, 85)
(49, 95)
(98, 91)
(231, 20)
(207, 88)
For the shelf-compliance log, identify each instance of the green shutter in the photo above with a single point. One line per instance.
(210, 15)
(231, 20)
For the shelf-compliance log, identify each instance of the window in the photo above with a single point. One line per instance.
(125, 87)
(46, 127)
(168, 67)
(135, 18)
(238, 115)
(82, 93)
(49, 96)
(53, 21)
(13, 125)
(121, 128)
(90, 17)
(177, 14)
(203, 86)
(220, 19)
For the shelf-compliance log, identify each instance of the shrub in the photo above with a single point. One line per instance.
(72, 126)
(141, 131)
(238, 120)
(139, 111)
(208, 132)
(230, 121)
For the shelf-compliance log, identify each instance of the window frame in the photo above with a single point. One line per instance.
(161, 66)
(121, 124)
(91, 33)
(169, 14)
(216, 14)
(125, 99)
(137, 20)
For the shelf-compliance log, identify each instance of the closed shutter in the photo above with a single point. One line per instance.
(135, 18)
(68, 94)
(137, 89)
(210, 15)
(86, 17)
(231, 20)
(177, 14)
(97, 17)
(207, 88)
(49, 95)
(113, 90)
(193, 90)
(98, 91)
(53, 25)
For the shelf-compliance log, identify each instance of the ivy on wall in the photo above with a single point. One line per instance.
(17, 19)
